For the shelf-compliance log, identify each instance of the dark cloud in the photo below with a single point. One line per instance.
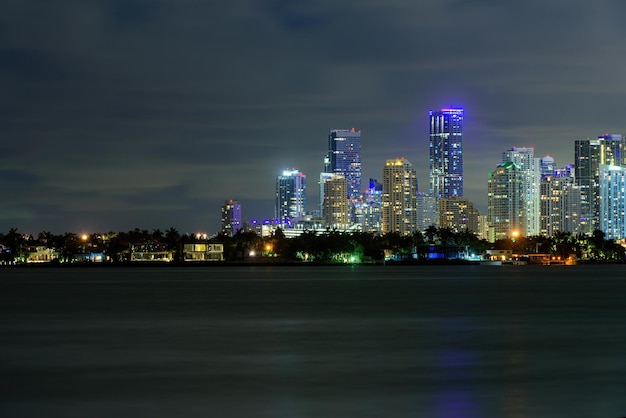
(133, 12)
(30, 65)
(18, 178)
(119, 112)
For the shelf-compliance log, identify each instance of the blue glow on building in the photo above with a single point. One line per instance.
(446, 152)
(290, 195)
(344, 155)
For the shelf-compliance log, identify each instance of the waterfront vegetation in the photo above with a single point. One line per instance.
(327, 247)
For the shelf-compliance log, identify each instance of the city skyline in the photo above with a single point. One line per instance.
(159, 112)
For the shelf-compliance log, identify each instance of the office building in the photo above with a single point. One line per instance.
(427, 213)
(560, 205)
(612, 201)
(458, 214)
(323, 177)
(368, 210)
(231, 217)
(589, 154)
(446, 153)
(530, 171)
(335, 212)
(483, 227)
(344, 158)
(290, 196)
(399, 197)
(506, 214)
(547, 167)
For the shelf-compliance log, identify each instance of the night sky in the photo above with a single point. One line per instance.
(122, 114)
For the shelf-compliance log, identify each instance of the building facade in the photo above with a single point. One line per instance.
(560, 205)
(505, 202)
(368, 210)
(589, 154)
(458, 214)
(344, 158)
(322, 184)
(548, 165)
(399, 197)
(290, 195)
(335, 213)
(530, 171)
(446, 153)
(613, 201)
(231, 217)
(427, 213)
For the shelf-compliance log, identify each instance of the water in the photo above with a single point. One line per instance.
(474, 341)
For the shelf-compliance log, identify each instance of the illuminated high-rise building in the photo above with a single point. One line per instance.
(506, 214)
(589, 154)
(344, 158)
(323, 177)
(446, 153)
(231, 217)
(547, 167)
(458, 214)
(560, 204)
(399, 197)
(530, 170)
(290, 195)
(368, 210)
(427, 214)
(612, 201)
(335, 211)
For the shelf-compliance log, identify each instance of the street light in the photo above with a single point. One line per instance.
(84, 238)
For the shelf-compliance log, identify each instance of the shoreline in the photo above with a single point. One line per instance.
(285, 263)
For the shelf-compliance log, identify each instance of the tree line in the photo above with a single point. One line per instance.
(327, 246)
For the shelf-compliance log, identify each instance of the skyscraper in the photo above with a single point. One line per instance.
(399, 197)
(612, 201)
(368, 211)
(322, 184)
(547, 167)
(458, 214)
(336, 202)
(231, 217)
(560, 204)
(446, 152)
(290, 195)
(344, 158)
(530, 168)
(505, 202)
(589, 154)
(426, 211)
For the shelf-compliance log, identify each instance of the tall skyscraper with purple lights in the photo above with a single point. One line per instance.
(446, 152)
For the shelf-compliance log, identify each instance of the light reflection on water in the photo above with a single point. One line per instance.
(465, 342)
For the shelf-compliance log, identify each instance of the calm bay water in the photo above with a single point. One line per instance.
(472, 341)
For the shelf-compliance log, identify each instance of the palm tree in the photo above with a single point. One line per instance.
(174, 243)
(45, 237)
(157, 235)
(17, 245)
(431, 232)
(446, 236)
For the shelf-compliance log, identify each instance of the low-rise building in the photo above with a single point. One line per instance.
(203, 252)
(41, 254)
(151, 252)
